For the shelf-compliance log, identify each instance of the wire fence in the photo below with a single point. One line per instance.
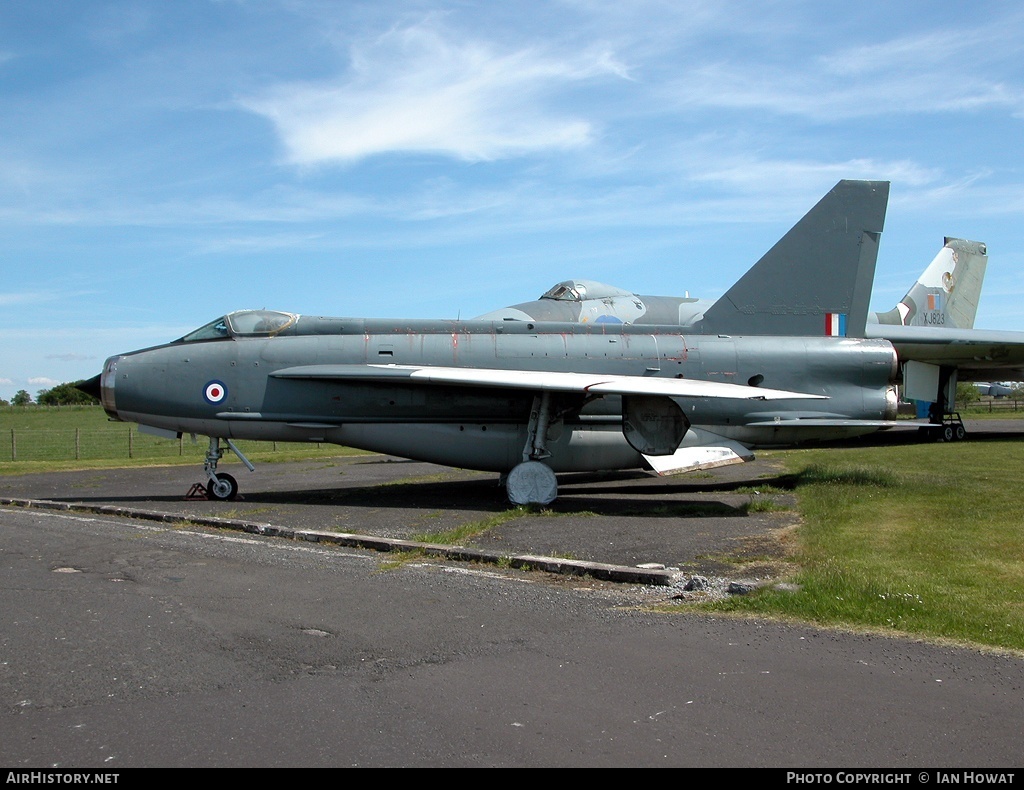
(115, 442)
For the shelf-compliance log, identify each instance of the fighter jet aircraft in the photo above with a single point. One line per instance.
(528, 399)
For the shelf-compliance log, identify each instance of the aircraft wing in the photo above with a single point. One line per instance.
(977, 354)
(534, 380)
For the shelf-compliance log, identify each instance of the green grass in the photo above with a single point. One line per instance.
(459, 535)
(926, 540)
(999, 413)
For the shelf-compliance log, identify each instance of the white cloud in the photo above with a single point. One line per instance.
(71, 357)
(752, 174)
(11, 299)
(414, 90)
(933, 71)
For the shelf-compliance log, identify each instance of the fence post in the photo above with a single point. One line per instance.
(78, 443)
(130, 447)
(14, 446)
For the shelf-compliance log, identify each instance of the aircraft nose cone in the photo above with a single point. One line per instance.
(91, 386)
(101, 387)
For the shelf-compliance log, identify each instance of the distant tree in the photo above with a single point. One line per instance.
(66, 394)
(4, 403)
(966, 393)
(21, 398)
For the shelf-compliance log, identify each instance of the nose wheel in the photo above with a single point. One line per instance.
(223, 487)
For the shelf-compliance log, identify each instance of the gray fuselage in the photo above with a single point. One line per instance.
(285, 386)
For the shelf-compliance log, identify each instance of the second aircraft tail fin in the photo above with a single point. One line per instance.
(947, 292)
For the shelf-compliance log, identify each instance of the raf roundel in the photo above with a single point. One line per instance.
(215, 392)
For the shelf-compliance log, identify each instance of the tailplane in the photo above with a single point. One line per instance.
(947, 292)
(817, 278)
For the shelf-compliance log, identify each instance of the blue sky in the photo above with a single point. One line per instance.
(163, 163)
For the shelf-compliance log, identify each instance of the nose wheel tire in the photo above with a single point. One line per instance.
(223, 488)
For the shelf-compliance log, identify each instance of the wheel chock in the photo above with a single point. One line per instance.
(197, 491)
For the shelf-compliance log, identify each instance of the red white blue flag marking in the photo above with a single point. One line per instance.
(835, 324)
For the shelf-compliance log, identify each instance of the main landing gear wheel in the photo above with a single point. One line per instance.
(946, 433)
(222, 487)
(531, 483)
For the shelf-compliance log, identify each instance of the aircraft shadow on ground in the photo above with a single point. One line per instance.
(486, 497)
(601, 495)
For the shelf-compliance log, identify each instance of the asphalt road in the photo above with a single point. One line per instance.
(135, 643)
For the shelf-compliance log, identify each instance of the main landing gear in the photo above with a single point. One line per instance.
(951, 429)
(533, 482)
(221, 486)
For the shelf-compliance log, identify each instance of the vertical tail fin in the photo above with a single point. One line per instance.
(817, 278)
(947, 292)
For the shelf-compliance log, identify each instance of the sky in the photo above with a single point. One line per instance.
(162, 164)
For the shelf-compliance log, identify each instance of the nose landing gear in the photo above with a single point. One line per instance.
(222, 486)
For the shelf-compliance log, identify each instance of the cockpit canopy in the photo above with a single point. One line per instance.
(243, 323)
(580, 290)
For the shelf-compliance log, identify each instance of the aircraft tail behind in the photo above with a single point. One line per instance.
(817, 278)
(947, 292)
